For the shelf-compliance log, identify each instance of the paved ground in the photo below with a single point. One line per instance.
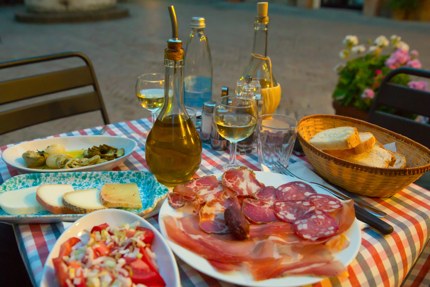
(303, 44)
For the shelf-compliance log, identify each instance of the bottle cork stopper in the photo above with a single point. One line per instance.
(262, 9)
(174, 50)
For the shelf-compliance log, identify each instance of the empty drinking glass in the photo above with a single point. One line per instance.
(276, 138)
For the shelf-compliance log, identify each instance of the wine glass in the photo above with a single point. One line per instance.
(150, 92)
(235, 119)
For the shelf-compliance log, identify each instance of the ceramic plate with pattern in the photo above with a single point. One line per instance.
(151, 191)
(13, 155)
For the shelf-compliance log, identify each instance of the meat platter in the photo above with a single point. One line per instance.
(278, 247)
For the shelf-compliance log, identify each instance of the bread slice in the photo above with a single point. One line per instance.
(375, 157)
(367, 141)
(83, 201)
(20, 201)
(125, 195)
(336, 138)
(50, 196)
(399, 162)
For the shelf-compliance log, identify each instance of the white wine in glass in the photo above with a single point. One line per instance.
(150, 92)
(235, 119)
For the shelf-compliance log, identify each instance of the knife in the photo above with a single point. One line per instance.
(372, 220)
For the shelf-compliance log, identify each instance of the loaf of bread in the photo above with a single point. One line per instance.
(376, 157)
(50, 196)
(123, 195)
(399, 161)
(339, 138)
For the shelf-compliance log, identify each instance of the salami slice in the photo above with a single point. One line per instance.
(267, 193)
(242, 181)
(295, 190)
(325, 202)
(258, 211)
(211, 217)
(317, 225)
(290, 211)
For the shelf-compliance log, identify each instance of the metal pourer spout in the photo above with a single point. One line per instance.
(174, 49)
(174, 22)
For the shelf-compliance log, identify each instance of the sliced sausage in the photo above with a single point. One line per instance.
(317, 225)
(295, 190)
(290, 211)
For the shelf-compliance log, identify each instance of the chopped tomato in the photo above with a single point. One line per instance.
(66, 247)
(148, 234)
(60, 271)
(147, 259)
(142, 273)
(100, 249)
(99, 227)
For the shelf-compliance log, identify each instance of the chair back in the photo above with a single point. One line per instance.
(44, 96)
(405, 101)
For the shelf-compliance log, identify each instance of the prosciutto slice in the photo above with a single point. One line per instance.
(211, 217)
(242, 181)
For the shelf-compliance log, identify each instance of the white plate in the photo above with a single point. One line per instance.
(13, 155)
(241, 278)
(151, 191)
(114, 217)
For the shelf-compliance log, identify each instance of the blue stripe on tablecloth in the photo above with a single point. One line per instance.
(22, 250)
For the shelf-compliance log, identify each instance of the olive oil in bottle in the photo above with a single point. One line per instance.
(173, 147)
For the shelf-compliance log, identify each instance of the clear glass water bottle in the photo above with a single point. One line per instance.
(260, 64)
(173, 147)
(197, 67)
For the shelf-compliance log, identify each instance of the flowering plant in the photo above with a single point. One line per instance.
(366, 67)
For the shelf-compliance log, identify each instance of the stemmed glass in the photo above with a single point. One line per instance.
(150, 92)
(235, 119)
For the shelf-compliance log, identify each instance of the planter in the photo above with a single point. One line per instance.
(350, 111)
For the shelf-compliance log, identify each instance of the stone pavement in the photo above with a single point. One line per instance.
(303, 44)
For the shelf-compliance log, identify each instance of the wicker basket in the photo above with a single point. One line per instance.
(360, 179)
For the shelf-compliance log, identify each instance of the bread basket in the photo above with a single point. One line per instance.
(360, 179)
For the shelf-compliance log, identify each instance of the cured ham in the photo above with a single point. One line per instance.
(258, 211)
(242, 181)
(271, 231)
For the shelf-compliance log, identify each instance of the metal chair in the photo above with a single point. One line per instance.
(41, 97)
(403, 100)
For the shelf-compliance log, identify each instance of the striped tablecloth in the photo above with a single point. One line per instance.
(381, 261)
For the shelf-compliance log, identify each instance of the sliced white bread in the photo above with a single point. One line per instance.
(124, 195)
(336, 138)
(375, 157)
(50, 196)
(399, 162)
(367, 141)
(83, 201)
(20, 201)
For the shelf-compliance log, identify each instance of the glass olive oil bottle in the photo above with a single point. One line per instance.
(173, 147)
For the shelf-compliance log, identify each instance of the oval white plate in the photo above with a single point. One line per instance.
(13, 155)
(241, 278)
(114, 217)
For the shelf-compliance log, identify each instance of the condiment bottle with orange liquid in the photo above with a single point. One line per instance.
(260, 65)
(173, 147)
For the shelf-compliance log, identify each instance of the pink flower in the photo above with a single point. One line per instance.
(414, 54)
(368, 94)
(414, 64)
(378, 72)
(397, 59)
(418, 85)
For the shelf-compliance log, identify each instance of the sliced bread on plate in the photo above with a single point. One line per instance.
(336, 138)
(124, 195)
(50, 196)
(20, 201)
(83, 201)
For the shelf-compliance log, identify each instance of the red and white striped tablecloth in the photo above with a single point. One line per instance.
(402, 257)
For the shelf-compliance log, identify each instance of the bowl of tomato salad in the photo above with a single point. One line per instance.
(111, 247)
